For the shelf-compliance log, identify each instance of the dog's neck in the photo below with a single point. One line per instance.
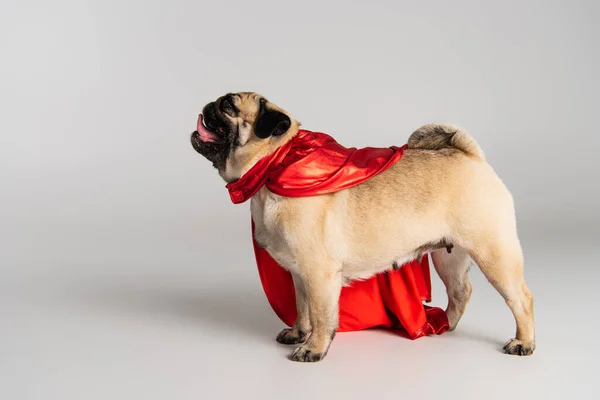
(246, 159)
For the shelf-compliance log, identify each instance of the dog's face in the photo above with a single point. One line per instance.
(237, 129)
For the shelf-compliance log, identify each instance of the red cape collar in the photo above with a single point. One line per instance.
(310, 164)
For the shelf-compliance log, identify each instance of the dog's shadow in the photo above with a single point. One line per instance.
(222, 307)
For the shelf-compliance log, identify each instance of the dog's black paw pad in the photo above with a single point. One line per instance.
(288, 336)
(302, 354)
(518, 348)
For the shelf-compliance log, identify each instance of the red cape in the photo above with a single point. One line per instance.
(313, 163)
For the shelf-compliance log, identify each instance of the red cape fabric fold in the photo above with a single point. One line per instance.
(313, 163)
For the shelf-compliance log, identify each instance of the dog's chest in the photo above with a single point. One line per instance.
(265, 210)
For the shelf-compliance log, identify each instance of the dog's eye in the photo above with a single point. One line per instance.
(226, 104)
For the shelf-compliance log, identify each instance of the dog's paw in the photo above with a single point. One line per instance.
(304, 354)
(519, 348)
(289, 336)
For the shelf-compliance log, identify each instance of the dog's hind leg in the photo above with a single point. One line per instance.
(502, 263)
(453, 268)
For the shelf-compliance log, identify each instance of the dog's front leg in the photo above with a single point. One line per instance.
(298, 332)
(322, 287)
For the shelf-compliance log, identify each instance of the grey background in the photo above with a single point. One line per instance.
(127, 273)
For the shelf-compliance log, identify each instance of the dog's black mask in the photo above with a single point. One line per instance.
(224, 133)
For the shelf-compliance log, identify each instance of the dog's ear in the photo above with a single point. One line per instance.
(271, 123)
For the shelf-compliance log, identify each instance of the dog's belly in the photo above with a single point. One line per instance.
(364, 269)
(352, 269)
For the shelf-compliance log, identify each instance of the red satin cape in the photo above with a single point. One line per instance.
(313, 163)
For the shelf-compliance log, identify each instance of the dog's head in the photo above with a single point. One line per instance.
(238, 129)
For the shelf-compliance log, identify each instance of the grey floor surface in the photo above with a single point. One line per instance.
(75, 326)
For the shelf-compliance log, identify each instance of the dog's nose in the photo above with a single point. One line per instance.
(209, 109)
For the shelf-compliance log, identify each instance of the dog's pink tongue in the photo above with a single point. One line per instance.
(205, 134)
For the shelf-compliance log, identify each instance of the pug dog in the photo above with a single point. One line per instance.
(441, 193)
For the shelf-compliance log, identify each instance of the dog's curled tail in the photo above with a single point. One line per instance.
(438, 136)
